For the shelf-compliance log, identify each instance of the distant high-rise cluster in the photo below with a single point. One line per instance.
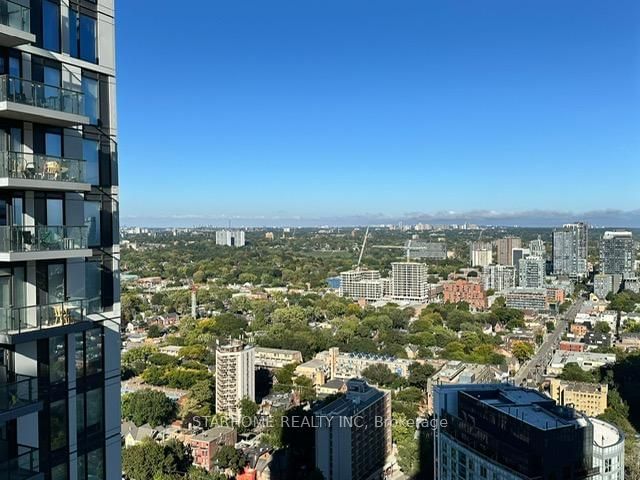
(570, 245)
(230, 238)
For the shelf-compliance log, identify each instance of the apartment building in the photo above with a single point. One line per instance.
(527, 299)
(409, 281)
(588, 398)
(504, 247)
(570, 245)
(270, 358)
(419, 249)
(230, 238)
(507, 432)
(617, 254)
(499, 277)
(531, 272)
(235, 376)
(481, 254)
(465, 291)
(353, 433)
(362, 284)
(59, 288)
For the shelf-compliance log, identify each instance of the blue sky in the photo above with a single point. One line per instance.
(328, 109)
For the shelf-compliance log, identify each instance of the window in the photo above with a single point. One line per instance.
(80, 425)
(93, 286)
(92, 221)
(88, 39)
(94, 340)
(607, 465)
(95, 415)
(51, 25)
(91, 103)
(57, 359)
(483, 471)
(80, 355)
(73, 33)
(95, 463)
(90, 154)
(58, 425)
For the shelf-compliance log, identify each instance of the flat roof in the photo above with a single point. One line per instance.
(605, 434)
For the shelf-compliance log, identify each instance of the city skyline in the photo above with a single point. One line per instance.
(345, 108)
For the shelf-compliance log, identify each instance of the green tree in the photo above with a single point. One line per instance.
(248, 415)
(522, 351)
(200, 400)
(154, 331)
(143, 461)
(419, 375)
(148, 406)
(573, 373)
(602, 327)
(379, 374)
(229, 457)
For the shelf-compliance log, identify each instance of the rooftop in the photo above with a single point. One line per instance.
(605, 434)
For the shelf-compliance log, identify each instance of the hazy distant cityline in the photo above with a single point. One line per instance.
(531, 218)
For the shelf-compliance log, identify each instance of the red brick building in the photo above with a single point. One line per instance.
(572, 346)
(465, 291)
(205, 445)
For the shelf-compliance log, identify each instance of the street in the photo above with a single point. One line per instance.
(532, 372)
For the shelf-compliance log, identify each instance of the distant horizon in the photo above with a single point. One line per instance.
(525, 219)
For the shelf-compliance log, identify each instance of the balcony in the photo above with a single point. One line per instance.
(15, 24)
(34, 319)
(37, 102)
(19, 398)
(42, 172)
(42, 242)
(25, 465)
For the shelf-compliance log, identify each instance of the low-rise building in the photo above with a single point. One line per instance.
(454, 372)
(578, 329)
(567, 346)
(585, 360)
(205, 445)
(588, 398)
(466, 291)
(597, 340)
(270, 358)
(534, 299)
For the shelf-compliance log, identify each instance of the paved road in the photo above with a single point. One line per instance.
(532, 372)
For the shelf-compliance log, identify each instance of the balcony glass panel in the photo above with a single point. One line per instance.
(41, 167)
(42, 238)
(15, 320)
(19, 393)
(15, 16)
(41, 95)
(23, 466)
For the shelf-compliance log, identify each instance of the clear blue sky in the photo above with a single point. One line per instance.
(329, 108)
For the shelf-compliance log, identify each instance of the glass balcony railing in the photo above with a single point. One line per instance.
(15, 15)
(24, 466)
(16, 320)
(36, 94)
(41, 167)
(41, 238)
(23, 391)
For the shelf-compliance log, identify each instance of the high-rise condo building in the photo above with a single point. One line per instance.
(409, 281)
(59, 289)
(616, 254)
(481, 254)
(506, 432)
(353, 433)
(504, 247)
(362, 284)
(230, 238)
(537, 248)
(570, 245)
(531, 272)
(235, 377)
(418, 249)
(499, 277)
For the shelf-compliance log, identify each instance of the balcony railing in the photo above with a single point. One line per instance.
(23, 467)
(23, 391)
(15, 15)
(37, 94)
(16, 320)
(42, 238)
(33, 166)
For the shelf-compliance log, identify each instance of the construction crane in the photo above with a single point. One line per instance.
(406, 247)
(364, 243)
